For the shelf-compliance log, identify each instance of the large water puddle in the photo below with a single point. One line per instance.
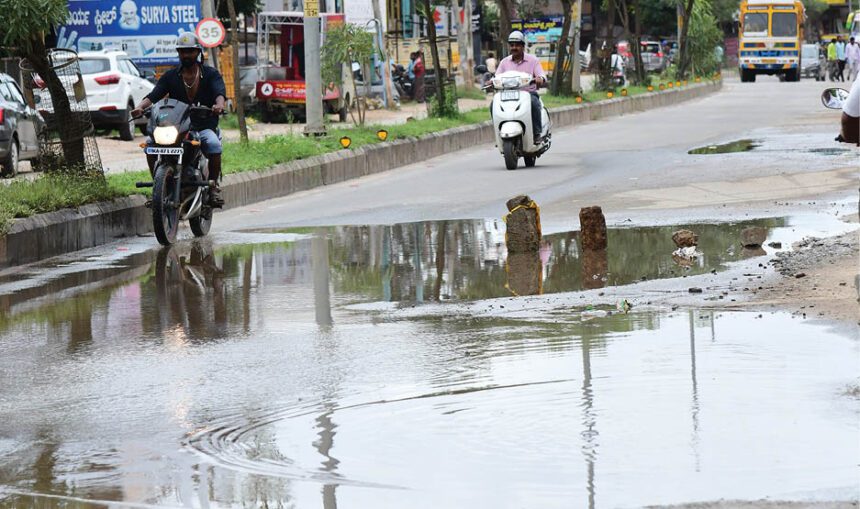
(619, 411)
(237, 375)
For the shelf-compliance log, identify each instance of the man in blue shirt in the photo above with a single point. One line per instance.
(840, 57)
(194, 83)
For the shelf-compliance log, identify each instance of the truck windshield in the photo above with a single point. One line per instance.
(784, 24)
(755, 23)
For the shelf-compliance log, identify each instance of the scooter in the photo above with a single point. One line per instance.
(512, 119)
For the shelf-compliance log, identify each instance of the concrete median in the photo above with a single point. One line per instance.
(55, 233)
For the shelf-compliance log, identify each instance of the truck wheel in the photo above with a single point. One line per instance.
(266, 113)
(509, 151)
(126, 130)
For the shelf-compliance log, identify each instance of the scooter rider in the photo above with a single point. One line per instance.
(521, 61)
(193, 83)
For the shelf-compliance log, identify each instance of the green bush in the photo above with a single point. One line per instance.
(703, 37)
(448, 108)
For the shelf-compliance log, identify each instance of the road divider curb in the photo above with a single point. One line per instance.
(54, 233)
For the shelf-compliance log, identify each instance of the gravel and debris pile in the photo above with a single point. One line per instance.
(813, 251)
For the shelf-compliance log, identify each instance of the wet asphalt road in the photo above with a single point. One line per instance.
(258, 368)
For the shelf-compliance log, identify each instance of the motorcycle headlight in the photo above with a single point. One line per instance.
(165, 135)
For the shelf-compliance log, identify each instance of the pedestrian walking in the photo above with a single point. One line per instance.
(419, 71)
(840, 57)
(832, 62)
(852, 56)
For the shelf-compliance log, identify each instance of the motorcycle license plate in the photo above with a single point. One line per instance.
(164, 151)
(510, 95)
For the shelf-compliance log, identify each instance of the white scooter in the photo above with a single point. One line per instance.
(512, 119)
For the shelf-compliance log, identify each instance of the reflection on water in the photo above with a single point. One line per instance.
(235, 376)
(197, 292)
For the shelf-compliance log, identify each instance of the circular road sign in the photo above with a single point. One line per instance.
(210, 32)
(267, 89)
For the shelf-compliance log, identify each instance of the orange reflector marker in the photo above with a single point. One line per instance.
(610, 95)
(578, 99)
(662, 86)
(142, 145)
(194, 143)
(382, 134)
(650, 88)
(624, 92)
(345, 142)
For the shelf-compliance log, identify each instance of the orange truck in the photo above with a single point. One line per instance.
(280, 86)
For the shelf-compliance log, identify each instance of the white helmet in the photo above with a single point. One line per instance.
(187, 40)
(517, 36)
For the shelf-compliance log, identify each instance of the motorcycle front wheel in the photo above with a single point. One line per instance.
(165, 214)
(510, 153)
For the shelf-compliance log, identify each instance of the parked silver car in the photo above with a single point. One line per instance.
(20, 126)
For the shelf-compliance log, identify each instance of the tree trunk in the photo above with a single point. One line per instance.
(434, 52)
(237, 95)
(462, 43)
(683, 47)
(70, 129)
(641, 75)
(505, 10)
(605, 51)
(576, 14)
(560, 52)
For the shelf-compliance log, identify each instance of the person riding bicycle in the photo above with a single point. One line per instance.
(521, 61)
(193, 83)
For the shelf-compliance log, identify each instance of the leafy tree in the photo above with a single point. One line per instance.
(345, 44)
(25, 25)
(243, 7)
(814, 11)
(703, 37)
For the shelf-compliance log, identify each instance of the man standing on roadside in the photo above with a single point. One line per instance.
(840, 57)
(419, 71)
(832, 62)
(852, 55)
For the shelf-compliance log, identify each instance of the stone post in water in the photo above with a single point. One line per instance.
(523, 232)
(592, 236)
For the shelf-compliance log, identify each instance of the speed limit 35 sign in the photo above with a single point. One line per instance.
(210, 32)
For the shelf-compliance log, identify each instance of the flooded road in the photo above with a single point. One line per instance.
(239, 373)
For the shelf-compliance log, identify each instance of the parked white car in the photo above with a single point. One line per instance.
(114, 85)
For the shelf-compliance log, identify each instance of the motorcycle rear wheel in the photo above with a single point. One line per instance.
(165, 215)
(510, 153)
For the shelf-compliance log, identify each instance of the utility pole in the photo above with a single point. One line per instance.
(576, 26)
(314, 125)
(209, 12)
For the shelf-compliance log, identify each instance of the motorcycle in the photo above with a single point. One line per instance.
(402, 82)
(512, 119)
(180, 188)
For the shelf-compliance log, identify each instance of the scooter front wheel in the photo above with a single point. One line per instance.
(165, 214)
(510, 153)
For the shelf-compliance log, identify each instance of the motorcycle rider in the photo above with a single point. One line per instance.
(193, 83)
(521, 61)
(850, 132)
